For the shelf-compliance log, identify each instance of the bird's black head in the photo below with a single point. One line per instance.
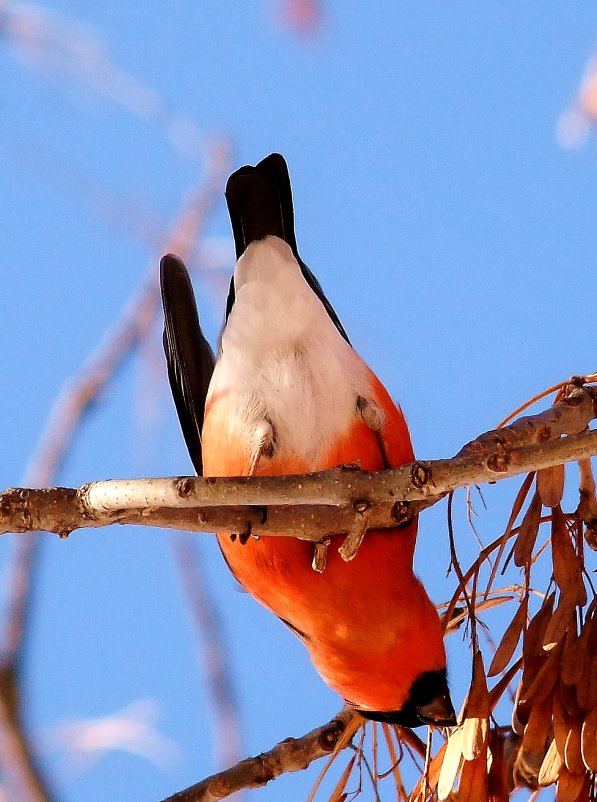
(428, 703)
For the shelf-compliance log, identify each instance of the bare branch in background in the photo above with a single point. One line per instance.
(125, 334)
(54, 42)
(206, 619)
(16, 755)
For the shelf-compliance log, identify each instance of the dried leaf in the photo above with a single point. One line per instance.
(450, 764)
(551, 766)
(569, 786)
(474, 729)
(473, 780)
(529, 528)
(550, 485)
(588, 743)
(461, 614)
(572, 754)
(510, 639)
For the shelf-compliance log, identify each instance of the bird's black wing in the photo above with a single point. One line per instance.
(260, 204)
(188, 354)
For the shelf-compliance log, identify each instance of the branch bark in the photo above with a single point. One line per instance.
(292, 754)
(309, 506)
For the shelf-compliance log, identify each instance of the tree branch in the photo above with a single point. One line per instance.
(308, 506)
(292, 754)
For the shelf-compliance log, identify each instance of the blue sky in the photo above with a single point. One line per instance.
(453, 234)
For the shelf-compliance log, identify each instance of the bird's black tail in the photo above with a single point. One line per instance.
(260, 205)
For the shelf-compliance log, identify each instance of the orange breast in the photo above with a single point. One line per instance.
(355, 618)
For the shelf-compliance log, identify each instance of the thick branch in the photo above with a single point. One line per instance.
(292, 754)
(310, 506)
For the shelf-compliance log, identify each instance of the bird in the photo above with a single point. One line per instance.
(289, 394)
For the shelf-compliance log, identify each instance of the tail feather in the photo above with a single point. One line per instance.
(260, 204)
(254, 208)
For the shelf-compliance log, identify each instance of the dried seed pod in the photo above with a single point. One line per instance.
(535, 632)
(433, 773)
(551, 766)
(529, 529)
(450, 764)
(538, 727)
(588, 743)
(574, 657)
(475, 726)
(561, 720)
(566, 564)
(569, 786)
(473, 779)
(496, 693)
(518, 725)
(526, 769)
(562, 618)
(545, 679)
(586, 691)
(509, 640)
(532, 647)
(569, 700)
(572, 753)
(567, 676)
(497, 788)
(550, 485)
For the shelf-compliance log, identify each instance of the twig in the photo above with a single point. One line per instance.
(292, 754)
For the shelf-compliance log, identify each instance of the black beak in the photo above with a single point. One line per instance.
(428, 703)
(439, 712)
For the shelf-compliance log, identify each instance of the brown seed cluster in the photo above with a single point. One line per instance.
(553, 736)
